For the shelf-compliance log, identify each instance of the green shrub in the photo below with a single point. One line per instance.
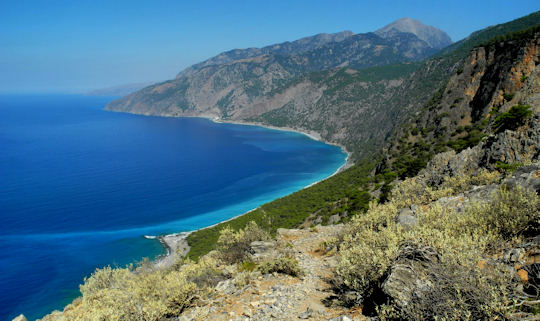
(284, 265)
(233, 246)
(507, 168)
(247, 265)
(508, 97)
(512, 119)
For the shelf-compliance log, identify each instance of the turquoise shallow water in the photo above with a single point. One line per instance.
(81, 187)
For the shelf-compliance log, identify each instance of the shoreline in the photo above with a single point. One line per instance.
(173, 242)
(178, 241)
(309, 133)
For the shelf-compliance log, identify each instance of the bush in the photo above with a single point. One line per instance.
(233, 246)
(511, 213)
(460, 292)
(508, 97)
(121, 294)
(284, 265)
(512, 119)
(457, 285)
(507, 168)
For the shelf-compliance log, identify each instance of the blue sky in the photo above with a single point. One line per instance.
(74, 46)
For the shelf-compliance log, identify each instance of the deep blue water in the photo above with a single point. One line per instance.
(79, 187)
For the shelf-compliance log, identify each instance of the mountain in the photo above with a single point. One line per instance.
(436, 38)
(455, 238)
(286, 48)
(458, 240)
(333, 90)
(245, 85)
(119, 90)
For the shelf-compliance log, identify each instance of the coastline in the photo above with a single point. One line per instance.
(178, 241)
(309, 133)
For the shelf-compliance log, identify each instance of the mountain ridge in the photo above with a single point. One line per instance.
(246, 89)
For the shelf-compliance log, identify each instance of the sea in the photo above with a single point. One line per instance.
(80, 187)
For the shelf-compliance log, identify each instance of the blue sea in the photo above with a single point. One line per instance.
(80, 187)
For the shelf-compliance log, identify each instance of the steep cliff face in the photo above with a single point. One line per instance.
(488, 83)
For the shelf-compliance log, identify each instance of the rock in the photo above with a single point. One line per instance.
(450, 164)
(406, 218)
(306, 315)
(341, 318)
(20, 318)
(513, 255)
(262, 249)
(527, 177)
(226, 286)
(334, 219)
(408, 274)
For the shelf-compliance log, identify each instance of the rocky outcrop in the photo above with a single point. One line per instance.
(409, 275)
(20, 318)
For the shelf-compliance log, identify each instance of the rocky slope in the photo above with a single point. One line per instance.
(458, 239)
(488, 83)
(357, 108)
(245, 85)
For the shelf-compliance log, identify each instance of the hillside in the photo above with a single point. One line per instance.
(280, 84)
(443, 225)
(356, 108)
(459, 240)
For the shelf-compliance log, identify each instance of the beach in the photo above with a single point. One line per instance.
(177, 245)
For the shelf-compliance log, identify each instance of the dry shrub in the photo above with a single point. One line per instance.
(368, 247)
(460, 292)
(511, 212)
(461, 288)
(121, 294)
(284, 265)
(233, 246)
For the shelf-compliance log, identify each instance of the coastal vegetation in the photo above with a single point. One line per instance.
(436, 227)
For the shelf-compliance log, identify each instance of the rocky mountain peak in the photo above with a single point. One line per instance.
(436, 38)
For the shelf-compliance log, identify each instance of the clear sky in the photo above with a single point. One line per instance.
(77, 45)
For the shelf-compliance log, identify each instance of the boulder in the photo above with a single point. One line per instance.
(262, 249)
(408, 275)
(406, 218)
(20, 318)
(526, 177)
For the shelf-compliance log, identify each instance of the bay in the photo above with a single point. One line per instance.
(80, 187)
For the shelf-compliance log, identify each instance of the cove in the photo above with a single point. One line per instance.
(81, 186)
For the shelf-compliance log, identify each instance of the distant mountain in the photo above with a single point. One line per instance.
(246, 83)
(436, 38)
(120, 90)
(354, 92)
(286, 48)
